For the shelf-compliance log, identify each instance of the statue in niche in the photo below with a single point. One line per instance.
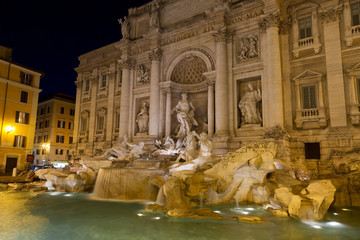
(154, 15)
(185, 116)
(143, 74)
(142, 118)
(248, 106)
(247, 48)
(125, 27)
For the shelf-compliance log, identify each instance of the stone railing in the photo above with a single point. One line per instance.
(305, 42)
(311, 118)
(355, 29)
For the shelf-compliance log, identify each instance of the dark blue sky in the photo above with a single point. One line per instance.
(49, 35)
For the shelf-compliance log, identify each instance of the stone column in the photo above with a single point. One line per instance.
(126, 65)
(79, 84)
(210, 108)
(162, 113)
(335, 78)
(230, 84)
(110, 106)
(221, 87)
(167, 91)
(94, 85)
(273, 70)
(155, 58)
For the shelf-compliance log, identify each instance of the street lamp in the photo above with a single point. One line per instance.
(9, 129)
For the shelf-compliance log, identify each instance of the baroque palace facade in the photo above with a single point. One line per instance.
(244, 65)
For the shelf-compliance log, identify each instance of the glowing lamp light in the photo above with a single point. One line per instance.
(9, 129)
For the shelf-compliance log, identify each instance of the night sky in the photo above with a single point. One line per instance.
(50, 35)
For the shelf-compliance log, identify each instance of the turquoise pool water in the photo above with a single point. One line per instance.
(53, 216)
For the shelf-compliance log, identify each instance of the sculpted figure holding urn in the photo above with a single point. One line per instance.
(142, 118)
(248, 106)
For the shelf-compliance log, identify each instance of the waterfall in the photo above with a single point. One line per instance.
(126, 183)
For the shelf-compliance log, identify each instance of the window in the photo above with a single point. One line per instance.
(22, 117)
(83, 124)
(70, 139)
(37, 151)
(312, 150)
(67, 152)
(309, 96)
(120, 77)
(355, 14)
(60, 138)
(117, 120)
(103, 81)
(100, 122)
(46, 123)
(43, 151)
(39, 139)
(305, 27)
(26, 78)
(71, 125)
(61, 151)
(19, 141)
(48, 109)
(87, 85)
(62, 110)
(46, 138)
(72, 112)
(61, 124)
(24, 96)
(42, 111)
(56, 151)
(41, 125)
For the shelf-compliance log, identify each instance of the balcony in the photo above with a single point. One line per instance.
(306, 44)
(352, 33)
(311, 118)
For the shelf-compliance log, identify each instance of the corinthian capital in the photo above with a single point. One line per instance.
(155, 54)
(270, 20)
(127, 63)
(331, 15)
(222, 35)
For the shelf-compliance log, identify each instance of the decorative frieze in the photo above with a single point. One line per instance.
(270, 20)
(222, 35)
(127, 63)
(247, 47)
(331, 15)
(155, 54)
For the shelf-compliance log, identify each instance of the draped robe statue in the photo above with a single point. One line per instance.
(248, 106)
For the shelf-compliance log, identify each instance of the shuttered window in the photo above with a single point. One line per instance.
(305, 27)
(26, 78)
(24, 97)
(100, 122)
(19, 141)
(309, 96)
(355, 14)
(22, 117)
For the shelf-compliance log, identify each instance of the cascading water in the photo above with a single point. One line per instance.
(131, 183)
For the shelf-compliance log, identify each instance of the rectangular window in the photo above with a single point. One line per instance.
(37, 151)
(42, 111)
(22, 117)
(120, 77)
(24, 97)
(60, 139)
(309, 96)
(103, 81)
(100, 123)
(87, 85)
(41, 125)
(59, 124)
(71, 140)
(117, 121)
(83, 124)
(312, 150)
(63, 124)
(45, 138)
(72, 112)
(26, 78)
(61, 151)
(39, 139)
(43, 151)
(56, 151)
(305, 27)
(62, 110)
(70, 125)
(48, 109)
(19, 141)
(355, 14)
(46, 123)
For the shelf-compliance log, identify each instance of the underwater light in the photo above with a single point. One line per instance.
(244, 212)
(335, 213)
(334, 224)
(140, 214)
(156, 218)
(68, 195)
(250, 209)
(316, 226)
(217, 212)
(345, 209)
(54, 193)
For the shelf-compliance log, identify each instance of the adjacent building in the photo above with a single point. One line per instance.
(54, 129)
(19, 91)
(245, 65)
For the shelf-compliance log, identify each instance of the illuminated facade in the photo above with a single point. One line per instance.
(245, 65)
(54, 129)
(19, 91)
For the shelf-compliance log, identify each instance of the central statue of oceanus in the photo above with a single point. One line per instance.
(185, 115)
